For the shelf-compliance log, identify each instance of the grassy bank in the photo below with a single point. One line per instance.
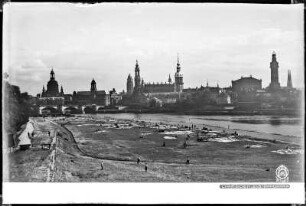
(209, 161)
(84, 142)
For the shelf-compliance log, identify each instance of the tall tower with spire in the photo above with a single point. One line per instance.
(129, 85)
(43, 92)
(169, 79)
(289, 80)
(178, 84)
(93, 86)
(137, 88)
(274, 73)
(62, 91)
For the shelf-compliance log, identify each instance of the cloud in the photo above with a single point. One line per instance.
(103, 41)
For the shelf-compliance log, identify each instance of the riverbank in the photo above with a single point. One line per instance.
(220, 159)
(85, 142)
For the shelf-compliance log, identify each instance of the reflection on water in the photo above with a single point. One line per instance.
(268, 120)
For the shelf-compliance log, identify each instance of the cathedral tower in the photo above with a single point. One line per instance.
(178, 78)
(289, 80)
(93, 86)
(137, 88)
(274, 73)
(129, 85)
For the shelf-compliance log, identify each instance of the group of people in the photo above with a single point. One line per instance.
(146, 165)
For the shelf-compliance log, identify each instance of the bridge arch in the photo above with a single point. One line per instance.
(73, 109)
(100, 107)
(87, 109)
(51, 109)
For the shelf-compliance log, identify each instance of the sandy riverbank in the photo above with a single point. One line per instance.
(85, 141)
(220, 159)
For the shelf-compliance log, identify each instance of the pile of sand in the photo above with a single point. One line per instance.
(169, 137)
(289, 151)
(88, 125)
(224, 139)
(101, 131)
(145, 133)
(256, 146)
(178, 132)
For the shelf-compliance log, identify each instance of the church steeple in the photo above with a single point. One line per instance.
(289, 80)
(178, 66)
(93, 86)
(137, 88)
(178, 81)
(169, 79)
(43, 90)
(62, 90)
(137, 71)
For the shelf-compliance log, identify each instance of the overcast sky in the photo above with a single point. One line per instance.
(215, 42)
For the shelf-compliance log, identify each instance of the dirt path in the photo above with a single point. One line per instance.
(52, 158)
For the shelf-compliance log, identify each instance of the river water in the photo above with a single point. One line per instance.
(273, 125)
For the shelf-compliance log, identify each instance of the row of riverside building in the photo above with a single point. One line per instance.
(246, 91)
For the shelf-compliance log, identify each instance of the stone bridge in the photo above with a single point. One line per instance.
(63, 109)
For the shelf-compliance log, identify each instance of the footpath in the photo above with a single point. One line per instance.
(34, 157)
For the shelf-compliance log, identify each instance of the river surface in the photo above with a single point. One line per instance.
(274, 125)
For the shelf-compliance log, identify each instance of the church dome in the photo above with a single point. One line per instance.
(52, 86)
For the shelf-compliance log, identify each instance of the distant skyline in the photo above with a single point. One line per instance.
(217, 43)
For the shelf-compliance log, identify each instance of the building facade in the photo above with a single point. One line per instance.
(167, 92)
(246, 84)
(94, 96)
(167, 87)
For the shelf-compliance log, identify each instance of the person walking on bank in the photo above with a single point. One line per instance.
(138, 160)
(146, 167)
(102, 165)
(187, 161)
